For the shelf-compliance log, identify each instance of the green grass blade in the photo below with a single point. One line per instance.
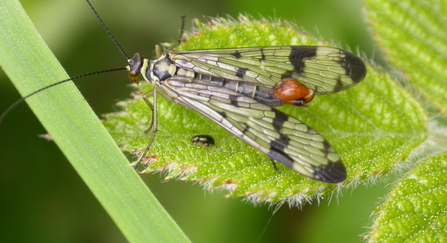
(77, 131)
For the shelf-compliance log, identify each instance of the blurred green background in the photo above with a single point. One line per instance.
(44, 200)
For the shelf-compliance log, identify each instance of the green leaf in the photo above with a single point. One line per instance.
(373, 126)
(412, 37)
(77, 131)
(416, 209)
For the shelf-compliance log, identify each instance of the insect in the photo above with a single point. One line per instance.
(239, 88)
(206, 140)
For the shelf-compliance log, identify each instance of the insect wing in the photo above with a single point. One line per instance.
(323, 69)
(279, 136)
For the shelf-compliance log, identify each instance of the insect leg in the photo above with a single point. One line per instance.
(145, 98)
(152, 126)
(179, 40)
(274, 165)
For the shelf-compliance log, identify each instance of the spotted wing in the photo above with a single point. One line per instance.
(279, 136)
(323, 69)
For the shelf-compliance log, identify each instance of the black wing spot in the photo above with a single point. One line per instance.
(332, 173)
(262, 59)
(246, 129)
(353, 65)
(233, 100)
(279, 119)
(327, 145)
(281, 143)
(299, 55)
(241, 72)
(280, 156)
(339, 85)
(237, 55)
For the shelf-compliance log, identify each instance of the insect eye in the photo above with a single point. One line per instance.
(134, 67)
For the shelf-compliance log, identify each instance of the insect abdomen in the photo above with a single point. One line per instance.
(255, 91)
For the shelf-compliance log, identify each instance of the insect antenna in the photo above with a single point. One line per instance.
(11, 107)
(107, 30)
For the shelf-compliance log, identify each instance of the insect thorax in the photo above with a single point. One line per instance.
(163, 68)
